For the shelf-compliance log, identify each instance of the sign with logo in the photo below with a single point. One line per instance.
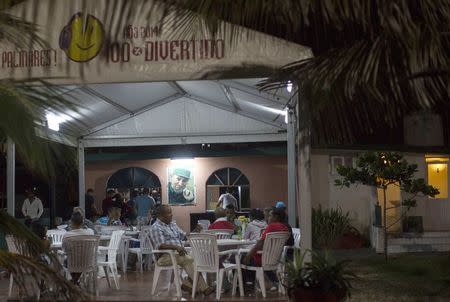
(82, 38)
(93, 42)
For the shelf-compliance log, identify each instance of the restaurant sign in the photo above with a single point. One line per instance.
(87, 43)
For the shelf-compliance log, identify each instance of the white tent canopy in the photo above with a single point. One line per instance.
(175, 112)
(141, 85)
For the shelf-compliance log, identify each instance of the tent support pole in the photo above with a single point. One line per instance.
(11, 177)
(81, 175)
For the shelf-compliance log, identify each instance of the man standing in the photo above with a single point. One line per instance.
(144, 203)
(178, 193)
(107, 202)
(166, 235)
(227, 199)
(32, 208)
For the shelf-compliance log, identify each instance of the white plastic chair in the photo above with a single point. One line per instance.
(172, 268)
(220, 234)
(206, 259)
(122, 251)
(55, 236)
(271, 255)
(18, 247)
(204, 223)
(297, 236)
(111, 251)
(81, 252)
(107, 230)
(143, 249)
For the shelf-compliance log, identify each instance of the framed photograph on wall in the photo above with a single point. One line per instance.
(181, 184)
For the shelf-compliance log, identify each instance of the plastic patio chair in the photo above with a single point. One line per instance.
(174, 269)
(81, 252)
(220, 234)
(297, 236)
(144, 248)
(206, 260)
(271, 255)
(56, 236)
(204, 223)
(18, 247)
(111, 250)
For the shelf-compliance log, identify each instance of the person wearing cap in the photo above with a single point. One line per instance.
(227, 199)
(32, 206)
(178, 193)
(282, 206)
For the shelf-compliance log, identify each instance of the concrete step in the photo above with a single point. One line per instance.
(417, 248)
(420, 240)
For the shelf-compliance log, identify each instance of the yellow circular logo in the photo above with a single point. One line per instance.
(82, 38)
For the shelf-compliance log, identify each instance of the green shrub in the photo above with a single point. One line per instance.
(328, 225)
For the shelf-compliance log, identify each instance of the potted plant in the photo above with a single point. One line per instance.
(322, 279)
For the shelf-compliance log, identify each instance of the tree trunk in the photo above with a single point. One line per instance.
(304, 166)
(385, 224)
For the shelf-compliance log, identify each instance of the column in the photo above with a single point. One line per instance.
(292, 169)
(11, 177)
(304, 166)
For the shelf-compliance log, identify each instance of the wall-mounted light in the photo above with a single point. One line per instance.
(182, 161)
(289, 86)
(54, 120)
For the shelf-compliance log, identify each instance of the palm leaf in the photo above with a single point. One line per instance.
(27, 265)
(367, 54)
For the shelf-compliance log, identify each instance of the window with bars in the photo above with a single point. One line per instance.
(227, 178)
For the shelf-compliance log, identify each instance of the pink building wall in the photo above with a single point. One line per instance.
(267, 176)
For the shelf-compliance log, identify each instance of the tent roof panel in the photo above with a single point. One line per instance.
(134, 96)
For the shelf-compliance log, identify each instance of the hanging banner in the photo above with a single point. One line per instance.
(98, 42)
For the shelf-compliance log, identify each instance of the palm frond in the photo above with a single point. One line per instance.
(366, 54)
(28, 264)
(26, 105)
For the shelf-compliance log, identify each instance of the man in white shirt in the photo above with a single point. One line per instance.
(227, 199)
(32, 207)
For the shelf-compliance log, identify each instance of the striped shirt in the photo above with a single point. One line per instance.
(161, 233)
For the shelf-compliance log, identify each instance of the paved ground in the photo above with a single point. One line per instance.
(136, 287)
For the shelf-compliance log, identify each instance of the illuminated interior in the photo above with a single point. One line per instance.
(438, 175)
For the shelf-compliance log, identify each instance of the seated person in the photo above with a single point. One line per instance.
(76, 225)
(166, 235)
(276, 219)
(256, 226)
(231, 213)
(40, 231)
(221, 222)
(267, 213)
(87, 224)
(113, 217)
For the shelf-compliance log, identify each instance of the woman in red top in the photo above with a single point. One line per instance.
(252, 258)
(221, 222)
